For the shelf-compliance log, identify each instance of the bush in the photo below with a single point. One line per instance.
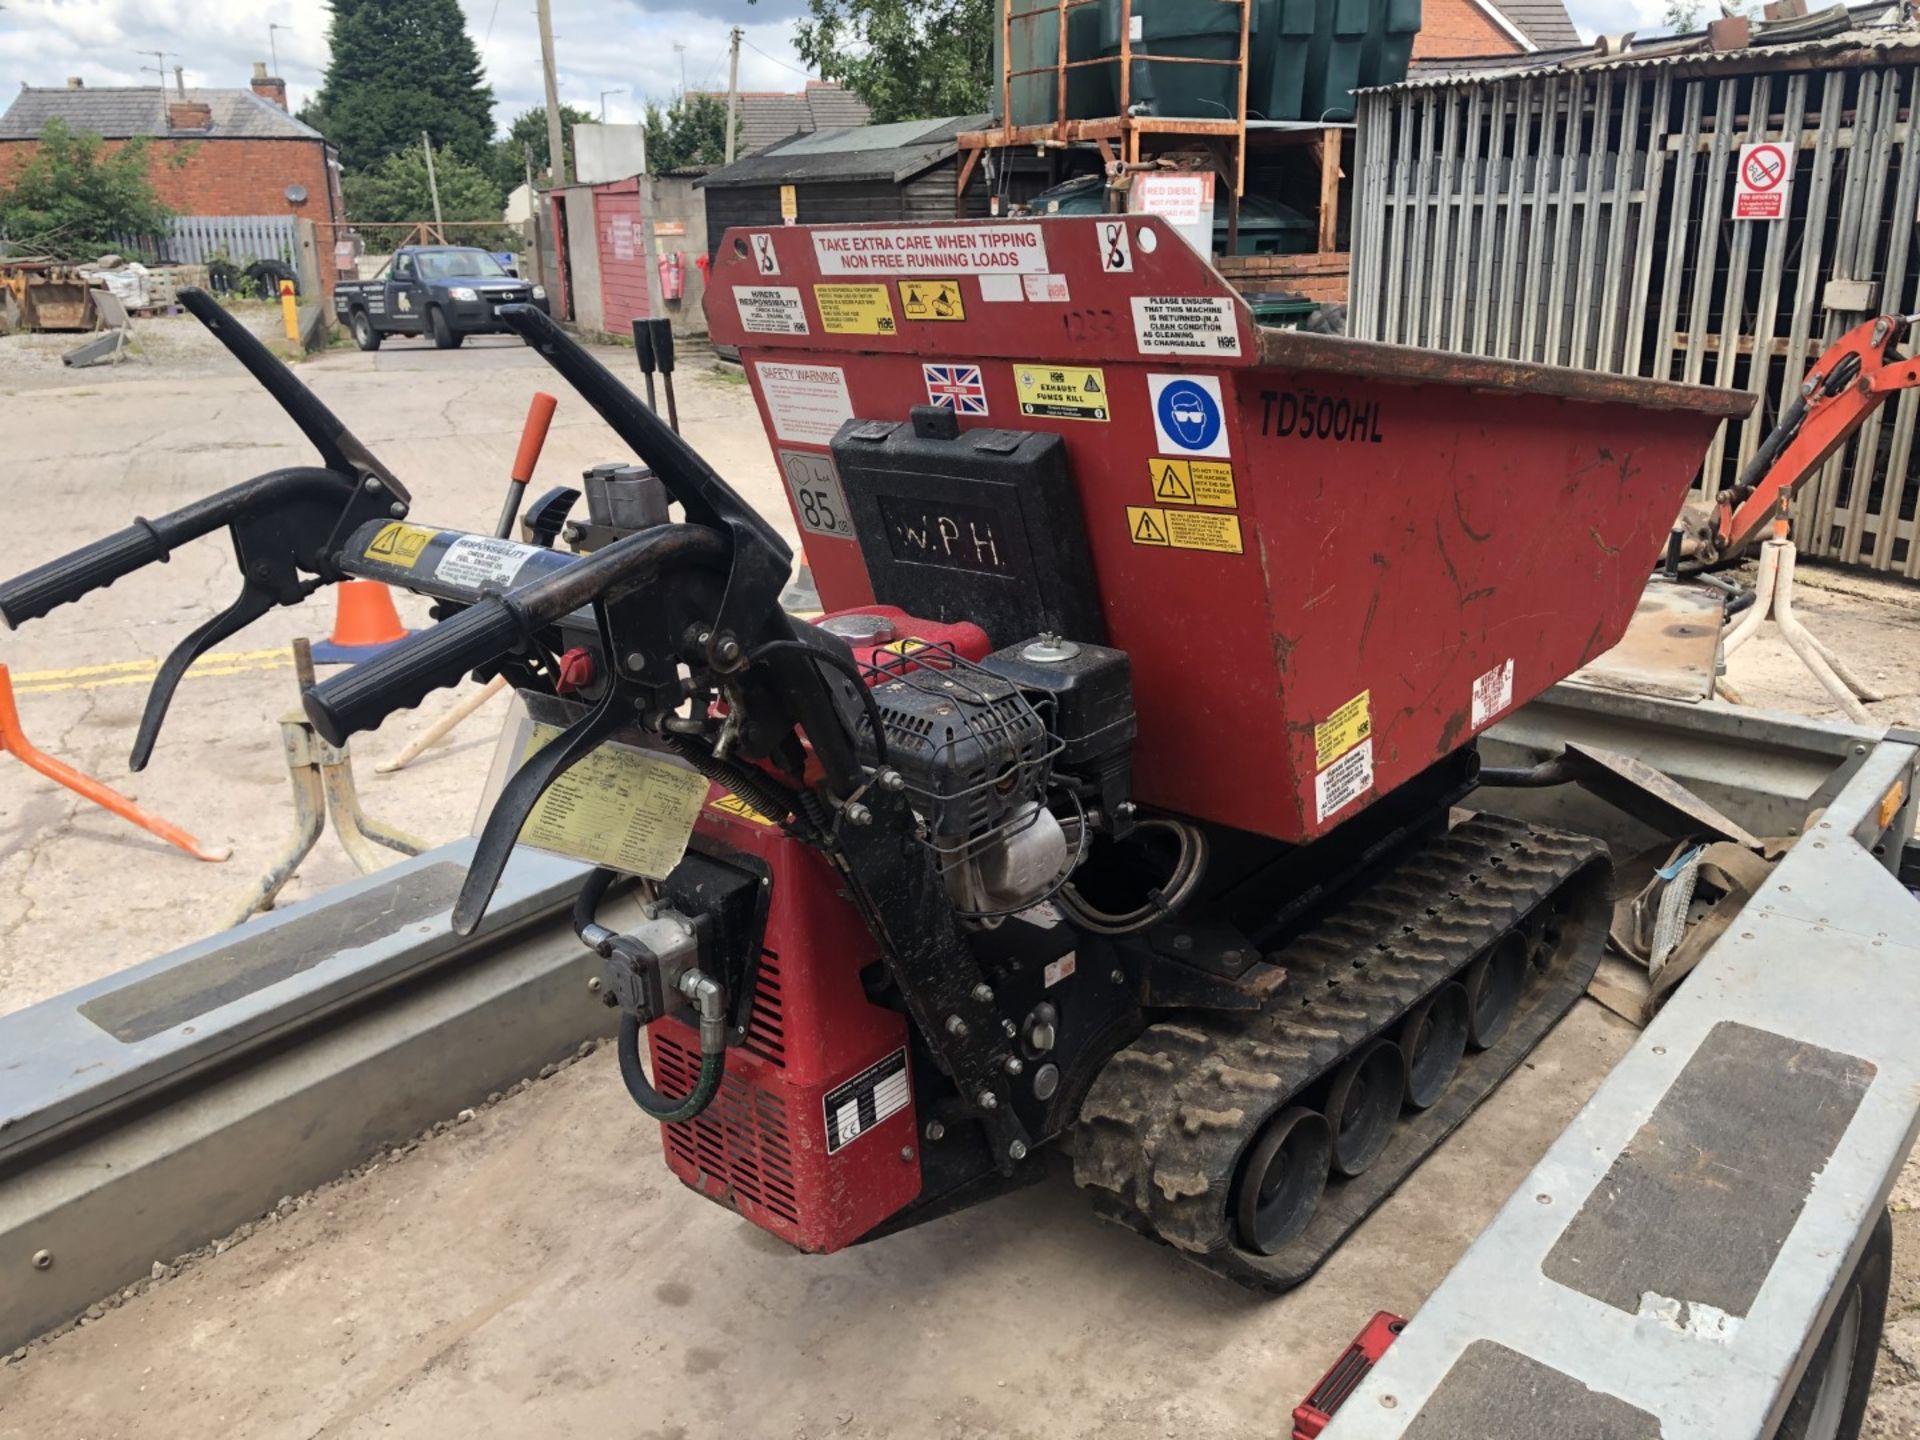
(74, 199)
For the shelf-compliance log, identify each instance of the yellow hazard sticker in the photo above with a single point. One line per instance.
(1184, 529)
(620, 807)
(399, 544)
(1342, 730)
(1061, 392)
(855, 309)
(730, 804)
(1193, 482)
(932, 300)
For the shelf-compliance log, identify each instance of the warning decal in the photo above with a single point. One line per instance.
(1184, 529)
(808, 403)
(1343, 782)
(619, 806)
(1185, 325)
(1762, 183)
(932, 300)
(855, 309)
(399, 544)
(1342, 730)
(933, 250)
(1046, 287)
(1193, 482)
(1061, 393)
(770, 309)
(1492, 693)
(863, 1102)
(731, 804)
(818, 501)
(476, 560)
(765, 260)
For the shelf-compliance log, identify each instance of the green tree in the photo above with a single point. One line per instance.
(399, 67)
(396, 189)
(529, 132)
(691, 131)
(73, 196)
(907, 60)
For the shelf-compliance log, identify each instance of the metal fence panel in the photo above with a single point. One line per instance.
(1585, 218)
(241, 239)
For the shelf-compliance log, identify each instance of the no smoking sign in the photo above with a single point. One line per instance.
(1761, 183)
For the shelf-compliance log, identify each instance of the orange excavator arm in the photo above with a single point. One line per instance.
(1849, 382)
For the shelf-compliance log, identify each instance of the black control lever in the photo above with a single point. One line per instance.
(286, 526)
(403, 675)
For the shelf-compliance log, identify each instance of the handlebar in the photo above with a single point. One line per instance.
(97, 565)
(404, 675)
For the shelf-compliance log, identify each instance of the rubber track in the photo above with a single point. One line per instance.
(1165, 1123)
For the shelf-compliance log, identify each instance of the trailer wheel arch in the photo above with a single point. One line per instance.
(1817, 1411)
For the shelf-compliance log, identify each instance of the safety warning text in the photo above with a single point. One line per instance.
(1342, 730)
(932, 300)
(933, 250)
(1184, 529)
(770, 309)
(1193, 482)
(1061, 392)
(855, 309)
(399, 544)
(1185, 325)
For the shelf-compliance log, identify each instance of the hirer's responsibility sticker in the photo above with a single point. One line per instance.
(1061, 392)
(1492, 693)
(1344, 781)
(1342, 730)
(1185, 325)
(808, 403)
(933, 250)
(399, 544)
(855, 309)
(1187, 414)
(959, 388)
(1184, 529)
(624, 808)
(476, 560)
(863, 1102)
(770, 309)
(932, 300)
(1193, 482)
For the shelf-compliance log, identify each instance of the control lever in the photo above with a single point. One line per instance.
(286, 526)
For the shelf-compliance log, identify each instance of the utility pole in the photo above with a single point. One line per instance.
(556, 147)
(678, 49)
(433, 185)
(603, 103)
(273, 50)
(733, 87)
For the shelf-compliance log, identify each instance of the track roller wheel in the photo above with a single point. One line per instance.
(1494, 983)
(1433, 1037)
(1281, 1180)
(1363, 1102)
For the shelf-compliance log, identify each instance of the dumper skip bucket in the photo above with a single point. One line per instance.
(1331, 562)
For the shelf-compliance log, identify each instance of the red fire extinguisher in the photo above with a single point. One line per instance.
(673, 275)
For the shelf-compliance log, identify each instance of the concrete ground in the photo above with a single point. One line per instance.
(533, 1269)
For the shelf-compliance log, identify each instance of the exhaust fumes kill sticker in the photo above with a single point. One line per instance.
(863, 1102)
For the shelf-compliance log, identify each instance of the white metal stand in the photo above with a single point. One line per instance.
(1773, 598)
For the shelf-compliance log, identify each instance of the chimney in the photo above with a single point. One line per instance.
(269, 87)
(189, 115)
(74, 82)
(180, 81)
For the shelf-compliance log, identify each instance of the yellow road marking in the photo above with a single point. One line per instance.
(139, 672)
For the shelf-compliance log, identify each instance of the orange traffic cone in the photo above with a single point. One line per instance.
(364, 624)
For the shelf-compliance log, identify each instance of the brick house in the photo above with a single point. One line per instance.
(1484, 27)
(769, 116)
(244, 154)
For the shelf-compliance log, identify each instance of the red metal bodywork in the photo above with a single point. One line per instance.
(1409, 523)
(762, 1146)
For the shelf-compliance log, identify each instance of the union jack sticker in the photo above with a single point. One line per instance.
(956, 387)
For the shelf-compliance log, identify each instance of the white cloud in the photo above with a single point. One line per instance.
(1610, 17)
(600, 45)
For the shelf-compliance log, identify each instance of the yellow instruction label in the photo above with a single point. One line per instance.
(730, 804)
(1061, 392)
(399, 544)
(1342, 730)
(1193, 482)
(932, 300)
(619, 807)
(855, 309)
(1184, 529)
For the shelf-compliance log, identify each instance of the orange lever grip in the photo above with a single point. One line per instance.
(534, 436)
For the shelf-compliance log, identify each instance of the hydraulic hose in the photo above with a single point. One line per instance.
(656, 1105)
(1179, 888)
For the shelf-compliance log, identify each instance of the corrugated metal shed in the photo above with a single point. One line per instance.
(123, 112)
(893, 153)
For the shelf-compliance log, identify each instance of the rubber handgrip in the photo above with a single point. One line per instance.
(91, 567)
(533, 437)
(403, 675)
